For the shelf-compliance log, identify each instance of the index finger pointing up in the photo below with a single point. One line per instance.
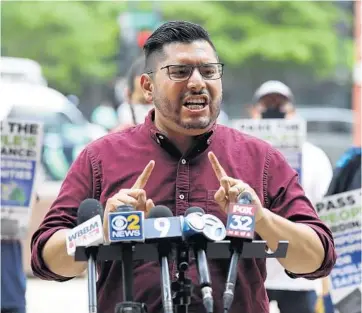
(219, 171)
(145, 175)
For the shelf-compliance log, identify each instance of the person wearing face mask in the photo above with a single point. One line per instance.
(274, 99)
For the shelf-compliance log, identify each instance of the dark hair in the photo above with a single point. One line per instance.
(171, 32)
(137, 69)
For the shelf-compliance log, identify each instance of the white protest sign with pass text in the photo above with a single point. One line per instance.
(342, 213)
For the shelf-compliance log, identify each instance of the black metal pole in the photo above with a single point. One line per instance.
(92, 279)
(127, 272)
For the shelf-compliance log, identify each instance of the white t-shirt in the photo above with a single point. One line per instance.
(316, 174)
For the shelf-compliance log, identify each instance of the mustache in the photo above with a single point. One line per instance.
(200, 93)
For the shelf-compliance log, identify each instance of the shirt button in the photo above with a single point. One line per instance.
(208, 141)
(158, 141)
(183, 161)
(181, 196)
(160, 136)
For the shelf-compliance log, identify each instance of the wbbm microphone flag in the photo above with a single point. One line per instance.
(241, 221)
(89, 233)
(126, 226)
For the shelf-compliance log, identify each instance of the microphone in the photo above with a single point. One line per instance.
(126, 226)
(164, 247)
(91, 209)
(195, 224)
(240, 227)
(157, 226)
(89, 231)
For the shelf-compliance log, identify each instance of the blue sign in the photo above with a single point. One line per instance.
(347, 271)
(163, 227)
(126, 226)
(17, 179)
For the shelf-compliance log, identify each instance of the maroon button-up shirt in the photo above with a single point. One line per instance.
(180, 181)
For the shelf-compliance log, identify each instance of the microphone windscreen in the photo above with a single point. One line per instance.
(244, 198)
(125, 208)
(88, 209)
(194, 209)
(160, 211)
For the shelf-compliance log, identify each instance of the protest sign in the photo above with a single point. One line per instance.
(342, 213)
(287, 136)
(21, 143)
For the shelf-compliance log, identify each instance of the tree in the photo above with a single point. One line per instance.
(302, 32)
(77, 41)
(71, 40)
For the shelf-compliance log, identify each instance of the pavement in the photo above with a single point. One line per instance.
(54, 297)
(68, 297)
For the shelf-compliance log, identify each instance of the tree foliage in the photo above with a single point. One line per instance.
(79, 40)
(303, 32)
(71, 40)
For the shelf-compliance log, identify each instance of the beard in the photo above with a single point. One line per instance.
(172, 112)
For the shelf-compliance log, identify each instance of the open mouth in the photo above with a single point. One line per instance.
(196, 104)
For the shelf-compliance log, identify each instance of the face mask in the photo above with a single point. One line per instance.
(273, 113)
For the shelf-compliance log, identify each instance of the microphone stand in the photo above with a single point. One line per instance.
(92, 279)
(236, 248)
(182, 286)
(128, 306)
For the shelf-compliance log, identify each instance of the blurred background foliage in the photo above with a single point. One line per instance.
(73, 41)
(79, 41)
(282, 31)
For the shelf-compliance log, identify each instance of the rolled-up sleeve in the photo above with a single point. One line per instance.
(286, 197)
(77, 186)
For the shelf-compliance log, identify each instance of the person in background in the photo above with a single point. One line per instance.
(347, 174)
(13, 279)
(273, 99)
(135, 109)
(346, 177)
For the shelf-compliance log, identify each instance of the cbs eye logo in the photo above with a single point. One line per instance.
(131, 222)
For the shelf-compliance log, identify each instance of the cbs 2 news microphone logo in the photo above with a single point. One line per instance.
(241, 221)
(126, 226)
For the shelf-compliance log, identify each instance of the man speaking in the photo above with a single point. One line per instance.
(179, 157)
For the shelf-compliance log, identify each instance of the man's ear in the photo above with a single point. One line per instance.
(147, 87)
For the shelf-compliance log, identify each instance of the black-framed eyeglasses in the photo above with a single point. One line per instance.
(179, 73)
